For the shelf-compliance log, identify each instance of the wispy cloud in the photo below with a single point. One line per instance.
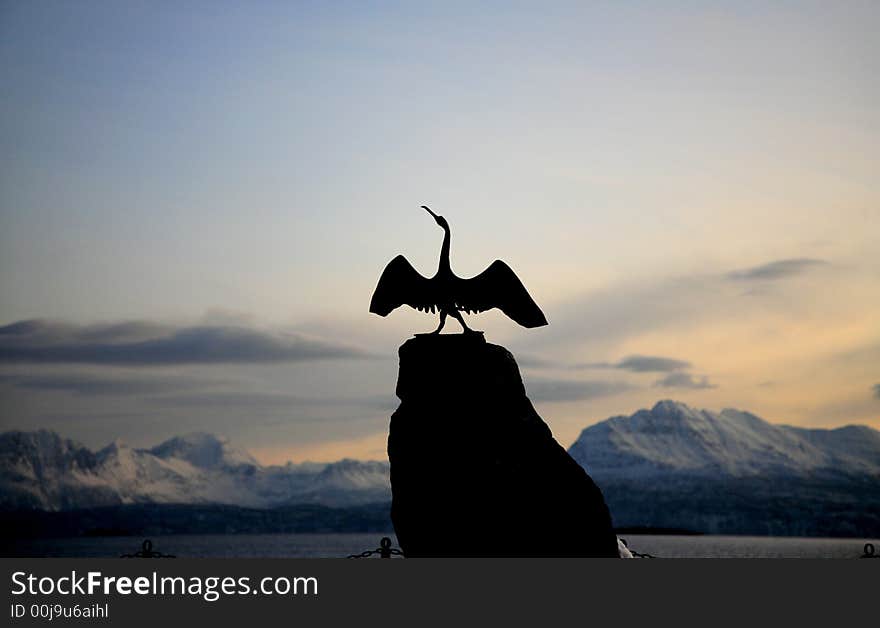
(252, 399)
(676, 375)
(136, 343)
(877, 391)
(642, 364)
(572, 390)
(530, 361)
(647, 363)
(606, 317)
(100, 385)
(601, 320)
(778, 269)
(684, 380)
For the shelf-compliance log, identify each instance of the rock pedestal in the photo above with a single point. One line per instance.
(474, 469)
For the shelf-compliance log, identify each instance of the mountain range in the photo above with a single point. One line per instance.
(671, 466)
(43, 471)
(731, 472)
(674, 439)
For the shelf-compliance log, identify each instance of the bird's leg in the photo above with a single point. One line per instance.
(457, 316)
(442, 322)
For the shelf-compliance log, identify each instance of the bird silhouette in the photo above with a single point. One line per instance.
(497, 286)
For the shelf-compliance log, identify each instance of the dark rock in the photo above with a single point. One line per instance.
(474, 469)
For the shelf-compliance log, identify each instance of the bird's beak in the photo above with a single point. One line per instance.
(425, 207)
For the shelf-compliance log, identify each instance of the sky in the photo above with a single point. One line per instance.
(197, 199)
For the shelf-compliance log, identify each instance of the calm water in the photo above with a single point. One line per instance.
(341, 545)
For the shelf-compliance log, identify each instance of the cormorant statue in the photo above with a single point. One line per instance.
(497, 286)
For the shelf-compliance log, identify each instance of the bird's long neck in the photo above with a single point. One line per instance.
(444, 266)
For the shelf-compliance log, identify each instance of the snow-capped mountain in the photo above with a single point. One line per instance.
(674, 438)
(43, 471)
(731, 472)
(671, 466)
(205, 451)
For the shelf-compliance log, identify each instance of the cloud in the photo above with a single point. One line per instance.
(642, 364)
(137, 343)
(530, 361)
(600, 320)
(675, 377)
(572, 390)
(264, 400)
(683, 380)
(877, 390)
(94, 385)
(651, 364)
(778, 269)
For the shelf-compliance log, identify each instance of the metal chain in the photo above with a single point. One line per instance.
(147, 551)
(384, 550)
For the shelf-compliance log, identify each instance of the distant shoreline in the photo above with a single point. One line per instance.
(199, 519)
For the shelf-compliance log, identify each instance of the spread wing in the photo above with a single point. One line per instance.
(498, 286)
(400, 284)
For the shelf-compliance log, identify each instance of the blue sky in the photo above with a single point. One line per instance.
(689, 181)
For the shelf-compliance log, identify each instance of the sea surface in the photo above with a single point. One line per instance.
(343, 545)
